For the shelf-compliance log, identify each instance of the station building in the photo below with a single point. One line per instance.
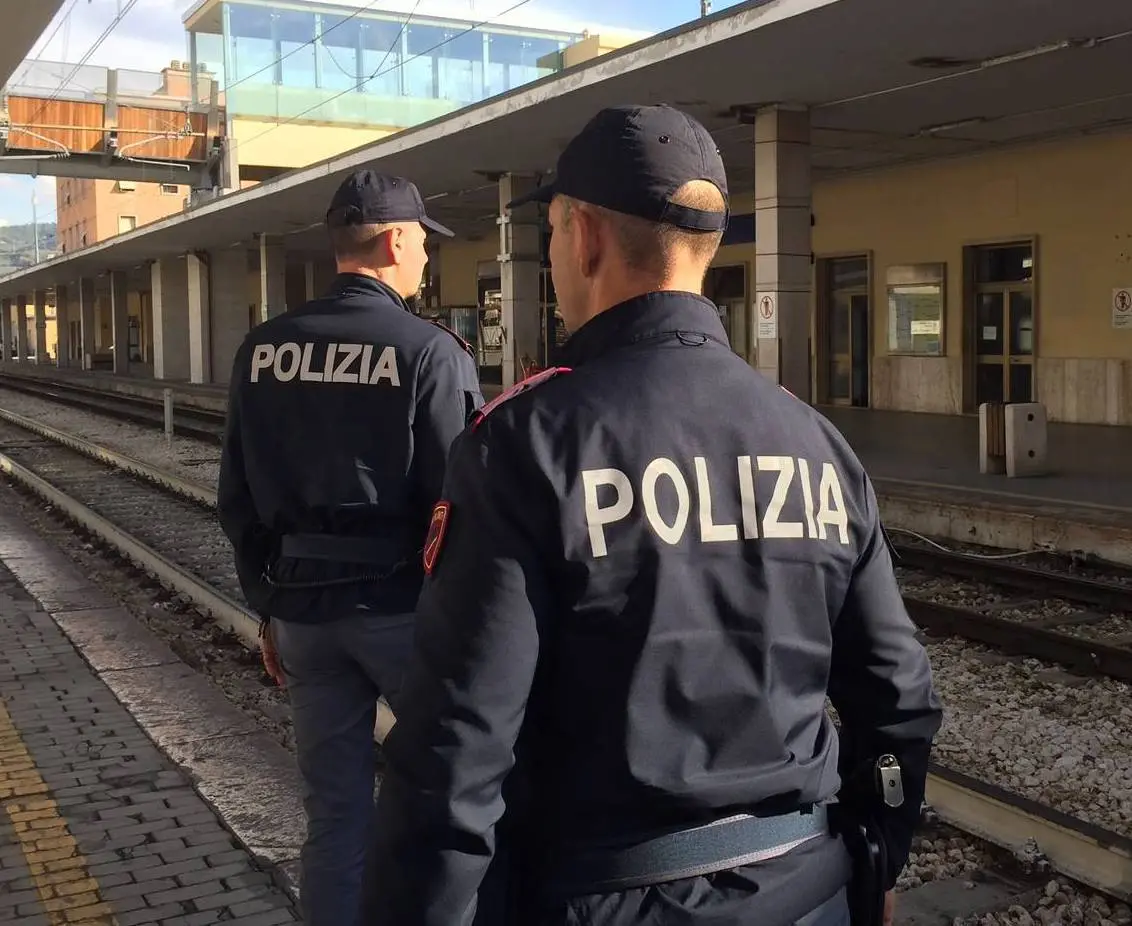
(937, 219)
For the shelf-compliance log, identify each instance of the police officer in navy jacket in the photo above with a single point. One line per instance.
(647, 572)
(341, 414)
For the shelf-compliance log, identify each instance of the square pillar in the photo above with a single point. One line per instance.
(62, 327)
(21, 329)
(200, 319)
(120, 321)
(309, 279)
(231, 317)
(272, 277)
(783, 257)
(86, 323)
(39, 337)
(169, 283)
(6, 331)
(520, 241)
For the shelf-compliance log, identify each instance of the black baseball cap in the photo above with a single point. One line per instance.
(369, 198)
(631, 159)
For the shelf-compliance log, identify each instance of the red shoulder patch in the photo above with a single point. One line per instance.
(520, 387)
(464, 344)
(437, 528)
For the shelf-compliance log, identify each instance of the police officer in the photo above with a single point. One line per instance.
(647, 571)
(341, 414)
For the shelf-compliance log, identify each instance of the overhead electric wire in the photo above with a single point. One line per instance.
(59, 21)
(117, 21)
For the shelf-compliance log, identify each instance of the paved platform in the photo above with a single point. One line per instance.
(98, 824)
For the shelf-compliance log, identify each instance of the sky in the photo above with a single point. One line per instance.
(151, 35)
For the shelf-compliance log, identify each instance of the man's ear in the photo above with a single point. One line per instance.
(586, 240)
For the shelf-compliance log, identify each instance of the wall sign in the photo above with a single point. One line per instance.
(1122, 307)
(767, 307)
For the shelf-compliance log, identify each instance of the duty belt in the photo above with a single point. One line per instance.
(688, 853)
(374, 551)
(385, 557)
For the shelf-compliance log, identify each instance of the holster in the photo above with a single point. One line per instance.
(866, 888)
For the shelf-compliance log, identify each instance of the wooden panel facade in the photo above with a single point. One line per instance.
(81, 128)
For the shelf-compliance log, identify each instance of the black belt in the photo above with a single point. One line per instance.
(374, 551)
(720, 846)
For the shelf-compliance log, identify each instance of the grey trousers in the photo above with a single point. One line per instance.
(335, 673)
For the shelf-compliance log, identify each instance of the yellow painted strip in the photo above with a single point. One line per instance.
(69, 894)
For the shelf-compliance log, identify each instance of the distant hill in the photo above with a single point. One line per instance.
(17, 245)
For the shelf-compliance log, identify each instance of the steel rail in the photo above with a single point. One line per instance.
(1089, 854)
(149, 412)
(1079, 653)
(1109, 595)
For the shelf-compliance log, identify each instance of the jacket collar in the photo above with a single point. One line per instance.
(649, 316)
(345, 283)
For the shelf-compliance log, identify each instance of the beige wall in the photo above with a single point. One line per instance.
(266, 143)
(1074, 197)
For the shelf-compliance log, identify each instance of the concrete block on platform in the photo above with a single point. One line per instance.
(1027, 451)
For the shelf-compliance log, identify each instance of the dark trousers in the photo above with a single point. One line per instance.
(335, 673)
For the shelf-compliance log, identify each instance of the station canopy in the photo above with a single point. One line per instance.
(887, 82)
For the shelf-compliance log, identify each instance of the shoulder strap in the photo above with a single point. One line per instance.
(520, 387)
(464, 344)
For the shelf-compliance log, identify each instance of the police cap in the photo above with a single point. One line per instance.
(631, 159)
(369, 198)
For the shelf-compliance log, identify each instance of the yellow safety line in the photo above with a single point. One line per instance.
(69, 894)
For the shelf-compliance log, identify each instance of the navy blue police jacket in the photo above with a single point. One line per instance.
(341, 415)
(649, 573)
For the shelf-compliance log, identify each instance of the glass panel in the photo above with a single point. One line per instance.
(295, 31)
(1021, 324)
(381, 58)
(859, 312)
(988, 383)
(1021, 382)
(849, 273)
(339, 51)
(840, 380)
(989, 339)
(1006, 264)
(252, 46)
(839, 326)
(915, 318)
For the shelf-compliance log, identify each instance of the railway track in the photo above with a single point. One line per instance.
(1039, 640)
(199, 423)
(167, 526)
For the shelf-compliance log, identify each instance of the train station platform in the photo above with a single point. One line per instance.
(926, 472)
(98, 825)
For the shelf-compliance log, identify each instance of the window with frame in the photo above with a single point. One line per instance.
(916, 307)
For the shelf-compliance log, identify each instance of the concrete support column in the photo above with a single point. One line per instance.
(309, 278)
(783, 273)
(519, 245)
(21, 325)
(86, 322)
(62, 327)
(40, 335)
(272, 277)
(169, 283)
(198, 289)
(6, 331)
(230, 316)
(120, 321)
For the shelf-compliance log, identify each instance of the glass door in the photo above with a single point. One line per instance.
(849, 349)
(1004, 346)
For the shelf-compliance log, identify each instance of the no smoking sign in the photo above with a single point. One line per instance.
(1122, 307)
